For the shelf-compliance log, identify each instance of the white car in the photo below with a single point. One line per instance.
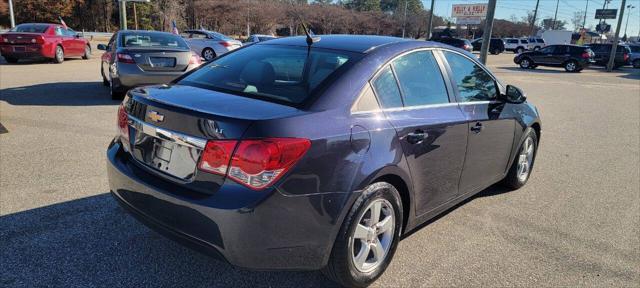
(209, 44)
(516, 45)
(536, 44)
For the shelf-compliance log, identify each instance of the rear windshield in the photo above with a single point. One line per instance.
(221, 36)
(30, 28)
(153, 40)
(284, 74)
(265, 38)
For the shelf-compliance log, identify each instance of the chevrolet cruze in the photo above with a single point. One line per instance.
(318, 152)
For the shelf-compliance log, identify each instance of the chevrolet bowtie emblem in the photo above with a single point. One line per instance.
(155, 116)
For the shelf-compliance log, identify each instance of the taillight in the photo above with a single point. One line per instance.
(125, 58)
(123, 122)
(225, 43)
(255, 163)
(216, 156)
(5, 39)
(626, 56)
(39, 39)
(585, 55)
(195, 59)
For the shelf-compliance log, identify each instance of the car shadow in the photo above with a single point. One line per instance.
(539, 69)
(92, 242)
(493, 190)
(59, 94)
(38, 61)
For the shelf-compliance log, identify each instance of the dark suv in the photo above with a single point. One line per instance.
(463, 44)
(603, 52)
(572, 57)
(496, 46)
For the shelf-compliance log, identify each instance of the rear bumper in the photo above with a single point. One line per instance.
(30, 51)
(130, 76)
(263, 230)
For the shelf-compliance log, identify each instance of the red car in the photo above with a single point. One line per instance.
(43, 40)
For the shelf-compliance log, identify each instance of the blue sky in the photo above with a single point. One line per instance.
(519, 8)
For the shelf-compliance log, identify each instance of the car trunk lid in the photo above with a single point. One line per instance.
(13, 38)
(170, 125)
(161, 60)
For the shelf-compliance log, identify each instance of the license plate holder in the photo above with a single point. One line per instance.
(19, 48)
(162, 62)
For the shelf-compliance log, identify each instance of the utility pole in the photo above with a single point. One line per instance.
(584, 22)
(629, 14)
(553, 27)
(428, 35)
(533, 21)
(135, 16)
(123, 14)
(13, 20)
(486, 36)
(404, 24)
(614, 45)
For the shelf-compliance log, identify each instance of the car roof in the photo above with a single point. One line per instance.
(353, 43)
(143, 31)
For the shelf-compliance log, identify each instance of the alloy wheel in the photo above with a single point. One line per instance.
(524, 63)
(373, 236)
(571, 66)
(208, 54)
(525, 159)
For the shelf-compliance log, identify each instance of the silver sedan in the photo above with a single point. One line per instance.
(209, 44)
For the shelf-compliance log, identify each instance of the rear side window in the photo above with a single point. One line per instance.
(523, 41)
(277, 73)
(540, 40)
(30, 28)
(366, 102)
(420, 79)
(512, 41)
(474, 84)
(387, 90)
(560, 49)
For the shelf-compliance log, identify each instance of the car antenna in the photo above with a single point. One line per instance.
(311, 38)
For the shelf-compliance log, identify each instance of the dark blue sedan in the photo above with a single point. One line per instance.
(296, 154)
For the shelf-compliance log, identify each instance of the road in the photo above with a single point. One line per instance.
(576, 223)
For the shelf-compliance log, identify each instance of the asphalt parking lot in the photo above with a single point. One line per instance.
(576, 223)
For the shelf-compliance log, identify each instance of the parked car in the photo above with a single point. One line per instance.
(516, 45)
(634, 58)
(496, 45)
(603, 52)
(536, 43)
(572, 57)
(258, 161)
(43, 40)
(133, 58)
(209, 44)
(463, 44)
(255, 38)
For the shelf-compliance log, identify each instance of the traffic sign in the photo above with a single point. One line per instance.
(606, 13)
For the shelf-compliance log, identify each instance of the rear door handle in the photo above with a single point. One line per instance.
(417, 137)
(477, 128)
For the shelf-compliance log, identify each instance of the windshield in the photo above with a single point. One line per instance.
(284, 74)
(153, 40)
(30, 28)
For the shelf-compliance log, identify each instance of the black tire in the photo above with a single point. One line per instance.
(571, 66)
(636, 63)
(11, 60)
(208, 54)
(87, 52)
(341, 268)
(116, 94)
(59, 55)
(495, 51)
(526, 63)
(512, 180)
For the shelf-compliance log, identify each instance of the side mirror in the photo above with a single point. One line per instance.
(513, 95)
(102, 47)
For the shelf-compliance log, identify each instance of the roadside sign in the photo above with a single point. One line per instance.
(606, 13)
(468, 20)
(469, 10)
